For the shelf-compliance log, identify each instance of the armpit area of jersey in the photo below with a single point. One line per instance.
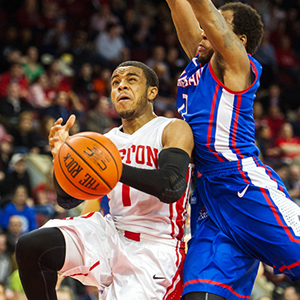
(166, 183)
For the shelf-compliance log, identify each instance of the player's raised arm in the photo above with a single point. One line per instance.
(219, 30)
(187, 26)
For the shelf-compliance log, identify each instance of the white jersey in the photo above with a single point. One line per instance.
(136, 211)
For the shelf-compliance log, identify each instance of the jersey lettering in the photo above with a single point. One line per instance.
(141, 155)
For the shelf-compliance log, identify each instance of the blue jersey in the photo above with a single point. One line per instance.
(222, 120)
(241, 212)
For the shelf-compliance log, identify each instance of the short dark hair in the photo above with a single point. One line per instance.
(151, 77)
(246, 20)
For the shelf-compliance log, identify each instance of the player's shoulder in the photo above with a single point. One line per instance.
(112, 132)
(177, 125)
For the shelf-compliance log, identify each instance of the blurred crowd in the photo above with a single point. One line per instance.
(56, 59)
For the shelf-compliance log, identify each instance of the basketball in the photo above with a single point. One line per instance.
(88, 165)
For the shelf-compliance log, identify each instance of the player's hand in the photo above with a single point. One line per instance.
(59, 133)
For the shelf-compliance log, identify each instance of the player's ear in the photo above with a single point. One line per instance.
(152, 92)
(243, 39)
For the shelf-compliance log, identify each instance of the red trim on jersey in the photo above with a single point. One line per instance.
(226, 88)
(242, 172)
(277, 217)
(88, 215)
(235, 124)
(218, 284)
(290, 266)
(132, 235)
(174, 290)
(210, 124)
(126, 195)
(90, 269)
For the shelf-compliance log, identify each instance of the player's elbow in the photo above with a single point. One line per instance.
(174, 192)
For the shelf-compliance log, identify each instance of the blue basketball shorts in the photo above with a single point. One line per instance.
(241, 214)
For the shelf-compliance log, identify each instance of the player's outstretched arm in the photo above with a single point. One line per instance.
(187, 26)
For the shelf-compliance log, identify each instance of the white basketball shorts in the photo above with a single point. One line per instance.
(129, 265)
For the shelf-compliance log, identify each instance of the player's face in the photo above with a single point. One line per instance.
(129, 92)
(205, 49)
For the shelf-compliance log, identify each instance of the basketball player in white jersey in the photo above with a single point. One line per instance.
(137, 251)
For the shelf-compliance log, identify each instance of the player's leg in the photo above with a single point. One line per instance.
(202, 296)
(40, 254)
(216, 265)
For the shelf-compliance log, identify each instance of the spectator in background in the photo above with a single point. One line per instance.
(296, 123)
(64, 105)
(57, 39)
(97, 118)
(291, 293)
(5, 265)
(24, 134)
(26, 40)
(294, 181)
(64, 293)
(287, 61)
(12, 105)
(101, 83)
(157, 60)
(142, 39)
(266, 55)
(14, 75)
(109, 46)
(43, 131)
(13, 233)
(275, 119)
(259, 116)
(130, 25)
(16, 175)
(8, 57)
(57, 81)
(2, 291)
(266, 144)
(21, 205)
(6, 152)
(44, 197)
(100, 19)
(81, 49)
(83, 84)
(273, 97)
(28, 15)
(32, 68)
(37, 96)
(288, 144)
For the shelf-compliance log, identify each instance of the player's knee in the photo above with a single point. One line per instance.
(202, 296)
(24, 247)
(46, 246)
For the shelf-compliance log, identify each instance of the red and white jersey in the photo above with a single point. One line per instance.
(136, 211)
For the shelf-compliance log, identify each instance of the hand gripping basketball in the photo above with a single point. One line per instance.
(87, 165)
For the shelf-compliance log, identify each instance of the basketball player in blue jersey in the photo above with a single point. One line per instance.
(241, 212)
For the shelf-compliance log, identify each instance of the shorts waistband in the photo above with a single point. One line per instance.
(142, 237)
(226, 167)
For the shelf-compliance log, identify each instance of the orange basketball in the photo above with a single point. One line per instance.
(88, 165)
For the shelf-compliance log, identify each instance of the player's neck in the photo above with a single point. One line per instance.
(130, 126)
